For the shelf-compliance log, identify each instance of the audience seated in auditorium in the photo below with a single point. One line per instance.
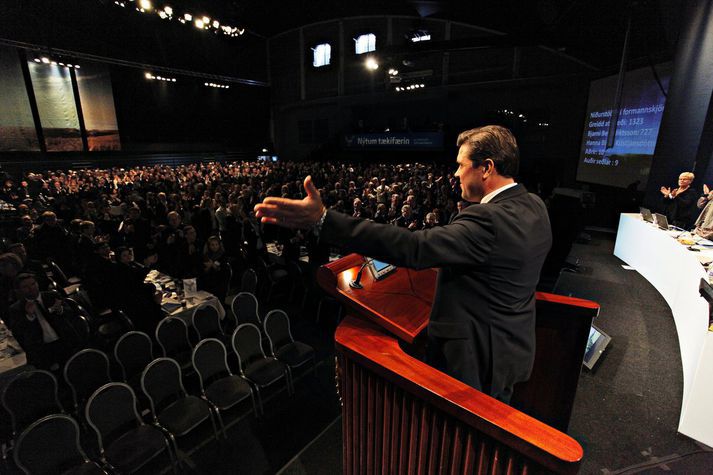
(168, 216)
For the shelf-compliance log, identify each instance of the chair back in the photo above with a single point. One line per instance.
(162, 383)
(248, 281)
(224, 288)
(80, 320)
(277, 329)
(206, 321)
(210, 359)
(81, 296)
(29, 396)
(49, 445)
(111, 411)
(245, 309)
(247, 345)
(84, 372)
(172, 336)
(58, 275)
(133, 351)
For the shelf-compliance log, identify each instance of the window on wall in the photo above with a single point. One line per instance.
(365, 43)
(321, 55)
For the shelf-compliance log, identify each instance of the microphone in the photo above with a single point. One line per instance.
(356, 283)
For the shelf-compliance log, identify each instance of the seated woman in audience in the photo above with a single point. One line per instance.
(215, 273)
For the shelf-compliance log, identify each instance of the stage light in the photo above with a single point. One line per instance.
(45, 60)
(145, 4)
(264, 150)
(216, 24)
(173, 79)
(70, 65)
(148, 76)
(371, 64)
(199, 23)
(163, 15)
(188, 17)
(168, 10)
(38, 60)
(206, 20)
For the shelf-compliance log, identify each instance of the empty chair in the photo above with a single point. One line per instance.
(245, 309)
(218, 385)
(206, 322)
(51, 445)
(172, 337)
(29, 396)
(274, 274)
(126, 443)
(248, 281)
(171, 406)
(133, 351)
(67, 284)
(105, 327)
(283, 346)
(254, 365)
(84, 372)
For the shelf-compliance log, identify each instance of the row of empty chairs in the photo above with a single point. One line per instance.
(89, 369)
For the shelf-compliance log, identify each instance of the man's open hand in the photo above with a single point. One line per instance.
(300, 214)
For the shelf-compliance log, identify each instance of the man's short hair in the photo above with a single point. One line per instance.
(23, 277)
(496, 143)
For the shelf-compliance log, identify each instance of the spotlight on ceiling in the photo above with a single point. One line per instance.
(199, 23)
(371, 64)
(168, 10)
(45, 60)
(145, 4)
(188, 17)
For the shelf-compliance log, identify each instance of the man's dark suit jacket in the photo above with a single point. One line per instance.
(482, 326)
(29, 332)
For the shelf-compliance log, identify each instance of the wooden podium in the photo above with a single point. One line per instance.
(400, 415)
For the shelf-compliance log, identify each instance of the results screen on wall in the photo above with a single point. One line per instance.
(628, 162)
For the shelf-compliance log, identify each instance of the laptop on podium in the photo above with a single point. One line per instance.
(646, 214)
(661, 221)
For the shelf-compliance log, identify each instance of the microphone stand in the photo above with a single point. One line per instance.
(356, 283)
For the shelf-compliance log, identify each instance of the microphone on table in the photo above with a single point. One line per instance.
(356, 283)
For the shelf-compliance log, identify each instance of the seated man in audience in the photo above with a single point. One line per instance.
(141, 301)
(24, 232)
(40, 323)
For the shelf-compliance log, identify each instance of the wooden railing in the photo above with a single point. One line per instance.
(402, 416)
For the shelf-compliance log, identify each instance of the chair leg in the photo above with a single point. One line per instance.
(259, 401)
(288, 377)
(222, 424)
(215, 428)
(255, 409)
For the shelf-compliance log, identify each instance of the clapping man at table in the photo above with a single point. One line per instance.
(40, 323)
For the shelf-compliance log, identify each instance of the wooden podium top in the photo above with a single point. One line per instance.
(399, 303)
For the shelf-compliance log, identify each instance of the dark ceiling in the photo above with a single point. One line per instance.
(591, 31)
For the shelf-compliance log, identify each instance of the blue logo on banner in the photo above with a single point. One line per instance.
(395, 141)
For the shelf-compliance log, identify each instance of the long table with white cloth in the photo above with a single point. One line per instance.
(676, 271)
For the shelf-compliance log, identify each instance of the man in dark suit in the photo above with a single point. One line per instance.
(482, 326)
(39, 322)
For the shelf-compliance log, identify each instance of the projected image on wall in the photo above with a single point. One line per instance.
(17, 128)
(97, 100)
(628, 162)
(55, 103)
